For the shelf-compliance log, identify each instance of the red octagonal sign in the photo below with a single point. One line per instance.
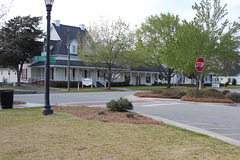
(200, 64)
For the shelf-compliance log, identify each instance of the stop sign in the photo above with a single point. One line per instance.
(200, 64)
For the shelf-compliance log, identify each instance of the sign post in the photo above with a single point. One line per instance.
(199, 65)
(42, 58)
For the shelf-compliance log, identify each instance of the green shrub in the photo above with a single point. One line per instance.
(101, 112)
(130, 115)
(169, 92)
(234, 81)
(121, 105)
(157, 91)
(208, 93)
(224, 92)
(181, 94)
(213, 93)
(233, 96)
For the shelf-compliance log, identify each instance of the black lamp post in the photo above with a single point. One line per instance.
(47, 108)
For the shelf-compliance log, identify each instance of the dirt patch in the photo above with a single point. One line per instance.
(184, 98)
(209, 100)
(154, 95)
(92, 113)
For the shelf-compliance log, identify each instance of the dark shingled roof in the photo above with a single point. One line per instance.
(143, 68)
(60, 63)
(81, 64)
(233, 72)
(60, 47)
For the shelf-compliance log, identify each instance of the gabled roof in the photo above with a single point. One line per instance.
(144, 68)
(233, 72)
(60, 47)
(61, 63)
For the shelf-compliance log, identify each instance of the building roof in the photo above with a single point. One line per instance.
(60, 47)
(233, 72)
(60, 63)
(143, 68)
(64, 63)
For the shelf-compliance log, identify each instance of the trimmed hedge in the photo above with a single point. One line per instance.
(63, 84)
(119, 84)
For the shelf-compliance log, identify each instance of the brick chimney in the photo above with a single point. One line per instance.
(57, 23)
(82, 26)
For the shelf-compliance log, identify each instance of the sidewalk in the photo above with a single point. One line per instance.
(27, 105)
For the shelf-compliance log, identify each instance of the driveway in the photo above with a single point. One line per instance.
(221, 121)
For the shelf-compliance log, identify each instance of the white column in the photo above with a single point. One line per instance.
(55, 74)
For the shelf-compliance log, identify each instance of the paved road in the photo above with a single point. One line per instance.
(220, 120)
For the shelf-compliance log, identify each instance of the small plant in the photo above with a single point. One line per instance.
(129, 115)
(234, 81)
(121, 105)
(233, 96)
(157, 91)
(77, 108)
(181, 94)
(101, 113)
(224, 92)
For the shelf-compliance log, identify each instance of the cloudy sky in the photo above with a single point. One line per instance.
(75, 12)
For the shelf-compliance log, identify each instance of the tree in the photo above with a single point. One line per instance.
(107, 46)
(205, 37)
(19, 42)
(154, 41)
(190, 43)
(4, 9)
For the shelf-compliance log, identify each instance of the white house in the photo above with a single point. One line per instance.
(61, 37)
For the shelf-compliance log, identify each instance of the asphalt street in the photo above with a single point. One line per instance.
(220, 121)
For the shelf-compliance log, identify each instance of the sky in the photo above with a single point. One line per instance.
(76, 12)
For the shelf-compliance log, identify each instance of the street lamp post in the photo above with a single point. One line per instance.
(47, 108)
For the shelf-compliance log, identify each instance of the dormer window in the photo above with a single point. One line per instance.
(74, 50)
(73, 47)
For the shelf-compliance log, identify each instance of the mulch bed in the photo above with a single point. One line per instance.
(154, 95)
(185, 98)
(209, 100)
(92, 113)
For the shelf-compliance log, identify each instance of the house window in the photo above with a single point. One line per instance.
(24, 74)
(85, 74)
(74, 49)
(148, 79)
(73, 73)
(127, 78)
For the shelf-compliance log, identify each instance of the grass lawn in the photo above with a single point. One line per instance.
(88, 89)
(27, 134)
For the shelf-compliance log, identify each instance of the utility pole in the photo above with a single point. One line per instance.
(68, 60)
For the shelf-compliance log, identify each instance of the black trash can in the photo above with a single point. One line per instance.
(7, 99)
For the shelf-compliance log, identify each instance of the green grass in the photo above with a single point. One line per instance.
(93, 90)
(27, 134)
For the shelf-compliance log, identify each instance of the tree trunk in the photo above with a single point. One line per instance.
(109, 84)
(19, 72)
(200, 80)
(169, 77)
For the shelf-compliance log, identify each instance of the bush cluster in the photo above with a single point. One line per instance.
(63, 84)
(121, 105)
(234, 81)
(169, 92)
(208, 93)
(119, 84)
(233, 96)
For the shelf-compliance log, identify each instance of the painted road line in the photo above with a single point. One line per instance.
(160, 104)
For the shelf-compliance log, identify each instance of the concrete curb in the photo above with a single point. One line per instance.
(195, 129)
